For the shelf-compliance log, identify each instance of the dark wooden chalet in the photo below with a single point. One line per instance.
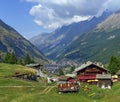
(39, 68)
(104, 81)
(67, 84)
(89, 70)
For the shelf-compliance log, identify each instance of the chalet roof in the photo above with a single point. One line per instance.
(88, 64)
(33, 65)
(71, 75)
(118, 73)
(64, 78)
(103, 76)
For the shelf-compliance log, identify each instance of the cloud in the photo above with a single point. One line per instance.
(55, 13)
(112, 5)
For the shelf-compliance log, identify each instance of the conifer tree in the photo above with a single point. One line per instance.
(6, 59)
(20, 61)
(0, 57)
(27, 59)
(12, 59)
(114, 64)
(61, 72)
(72, 69)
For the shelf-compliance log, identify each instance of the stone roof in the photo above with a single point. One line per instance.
(33, 65)
(70, 75)
(103, 76)
(88, 64)
(37, 67)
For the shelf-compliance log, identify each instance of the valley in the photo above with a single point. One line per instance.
(12, 89)
(59, 51)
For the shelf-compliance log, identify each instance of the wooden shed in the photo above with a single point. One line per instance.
(104, 81)
(67, 84)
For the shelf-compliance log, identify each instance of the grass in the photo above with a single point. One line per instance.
(36, 92)
(10, 69)
(17, 82)
(34, 95)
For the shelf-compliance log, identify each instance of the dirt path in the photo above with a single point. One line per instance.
(47, 89)
(50, 88)
(44, 91)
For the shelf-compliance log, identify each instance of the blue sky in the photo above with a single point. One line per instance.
(32, 17)
(16, 14)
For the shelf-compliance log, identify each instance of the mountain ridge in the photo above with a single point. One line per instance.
(12, 41)
(57, 41)
(99, 44)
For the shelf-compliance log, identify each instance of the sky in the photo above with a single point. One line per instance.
(32, 17)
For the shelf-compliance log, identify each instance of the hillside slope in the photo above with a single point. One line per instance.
(12, 41)
(55, 43)
(99, 44)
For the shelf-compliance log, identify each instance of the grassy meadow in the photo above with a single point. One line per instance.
(18, 90)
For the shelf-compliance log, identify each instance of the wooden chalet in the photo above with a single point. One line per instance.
(88, 71)
(67, 84)
(104, 81)
(66, 78)
(26, 74)
(38, 67)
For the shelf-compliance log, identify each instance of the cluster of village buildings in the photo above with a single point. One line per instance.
(92, 73)
(89, 72)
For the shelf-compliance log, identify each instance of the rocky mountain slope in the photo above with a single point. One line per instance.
(12, 41)
(99, 44)
(55, 43)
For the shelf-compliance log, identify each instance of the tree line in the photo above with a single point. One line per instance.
(12, 59)
(114, 64)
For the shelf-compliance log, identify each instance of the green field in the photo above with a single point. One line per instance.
(18, 90)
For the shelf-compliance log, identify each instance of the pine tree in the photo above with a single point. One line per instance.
(12, 59)
(114, 64)
(6, 59)
(0, 59)
(27, 59)
(20, 61)
(61, 72)
(72, 69)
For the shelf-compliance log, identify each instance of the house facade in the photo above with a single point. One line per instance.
(67, 84)
(88, 71)
(104, 81)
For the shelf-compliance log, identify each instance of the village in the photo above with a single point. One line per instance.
(89, 73)
(86, 81)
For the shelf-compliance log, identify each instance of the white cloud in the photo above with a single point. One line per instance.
(111, 37)
(55, 13)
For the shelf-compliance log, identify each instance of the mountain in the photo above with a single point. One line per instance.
(53, 44)
(12, 41)
(99, 44)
